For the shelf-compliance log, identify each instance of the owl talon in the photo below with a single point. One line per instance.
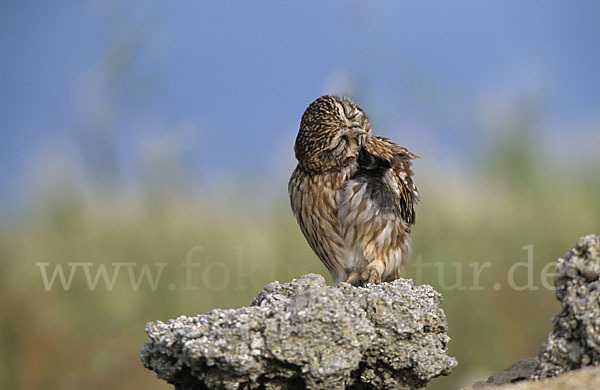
(372, 274)
(354, 278)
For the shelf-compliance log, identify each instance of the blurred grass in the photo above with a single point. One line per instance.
(506, 197)
(80, 338)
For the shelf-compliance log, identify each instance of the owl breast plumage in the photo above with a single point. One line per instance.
(354, 203)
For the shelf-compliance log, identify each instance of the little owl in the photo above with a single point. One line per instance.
(352, 193)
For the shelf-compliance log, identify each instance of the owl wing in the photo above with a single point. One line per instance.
(393, 162)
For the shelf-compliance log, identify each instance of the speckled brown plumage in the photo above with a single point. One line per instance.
(352, 193)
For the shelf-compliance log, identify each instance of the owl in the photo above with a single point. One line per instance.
(352, 193)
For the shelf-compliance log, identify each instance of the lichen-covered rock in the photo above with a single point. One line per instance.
(305, 334)
(575, 340)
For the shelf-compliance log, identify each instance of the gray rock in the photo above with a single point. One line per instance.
(520, 370)
(583, 379)
(305, 334)
(575, 340)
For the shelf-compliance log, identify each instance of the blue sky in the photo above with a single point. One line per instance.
(226, 82)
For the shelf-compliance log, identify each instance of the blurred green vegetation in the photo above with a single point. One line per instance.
(503, 196)
(510, 198)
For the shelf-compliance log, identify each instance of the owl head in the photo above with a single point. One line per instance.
(332, 132)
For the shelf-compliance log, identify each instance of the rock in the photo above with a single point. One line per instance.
(521, 370)
(582, 379)
(575, 339)
(305, 334)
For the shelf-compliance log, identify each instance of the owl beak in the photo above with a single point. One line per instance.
(357, 131)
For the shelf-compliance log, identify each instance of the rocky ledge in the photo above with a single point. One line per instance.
(305, 334)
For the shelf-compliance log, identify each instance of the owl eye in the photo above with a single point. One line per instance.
(340, 143)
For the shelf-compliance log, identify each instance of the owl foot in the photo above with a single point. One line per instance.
(354, 278)
(372, 272)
